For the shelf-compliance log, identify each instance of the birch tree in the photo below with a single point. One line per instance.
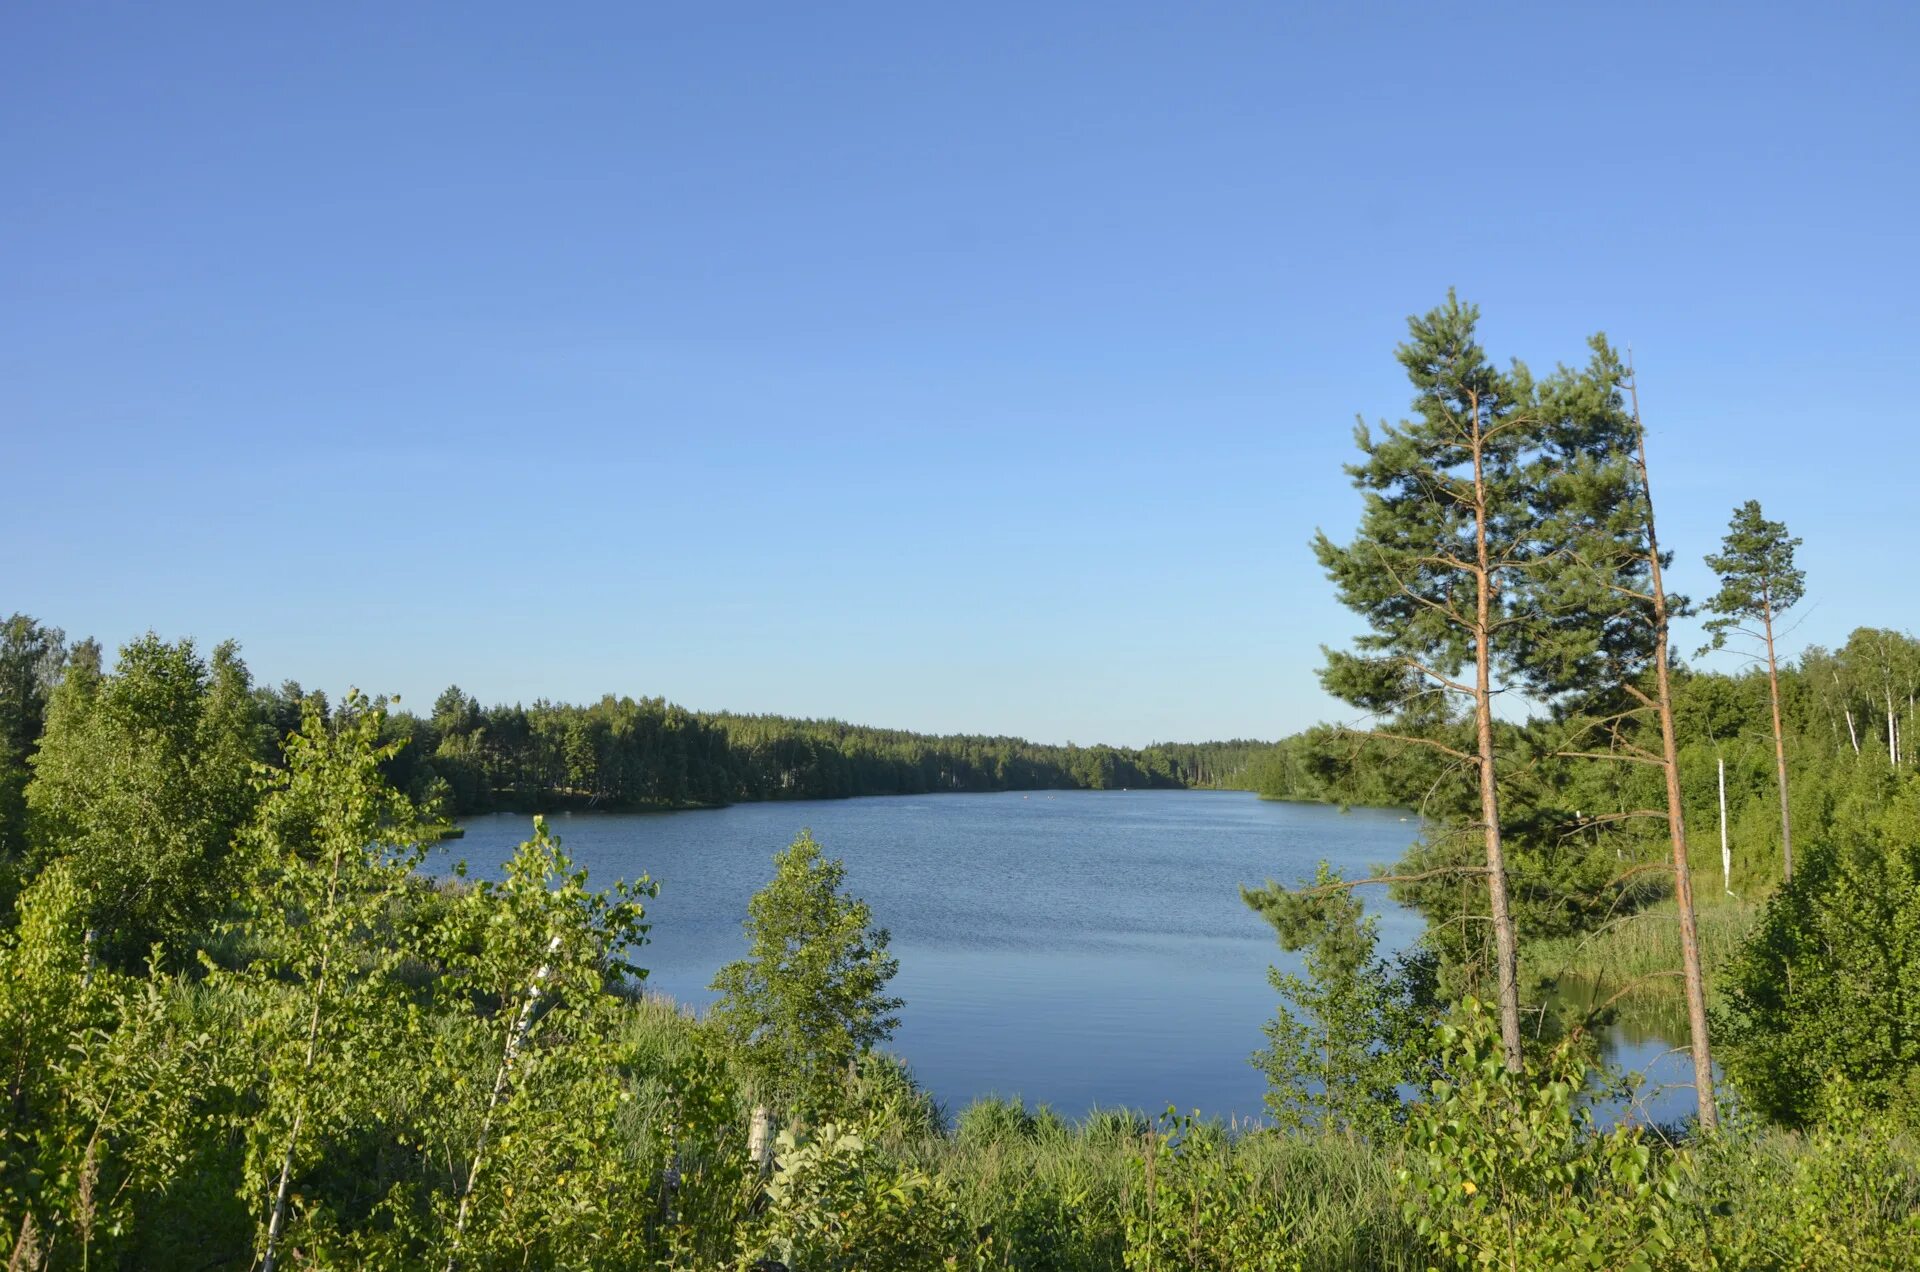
(810, 999)
(334, 848)
(531, 1107)
(140, 781)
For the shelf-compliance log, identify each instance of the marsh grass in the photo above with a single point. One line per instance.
(1048, 1192)
(1637, 956)
(1055, 1194)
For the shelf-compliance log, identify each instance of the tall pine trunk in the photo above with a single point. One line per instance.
(1506, 949)
(1780, 744)
(1695, 978)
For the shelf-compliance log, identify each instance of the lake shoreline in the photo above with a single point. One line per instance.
(564, 803)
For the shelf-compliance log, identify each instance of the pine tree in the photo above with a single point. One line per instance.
(1613, 616)
(1758, 582)
(1442, 569)
(31, 656)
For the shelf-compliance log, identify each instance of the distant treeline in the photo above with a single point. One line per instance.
(623, 752)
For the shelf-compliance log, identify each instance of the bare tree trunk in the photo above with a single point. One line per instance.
(280, 1196)
(1780, 742)
(1676, 818)
(760, 1138)
(1506, 949)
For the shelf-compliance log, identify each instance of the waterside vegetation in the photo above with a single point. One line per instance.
(240, 1028)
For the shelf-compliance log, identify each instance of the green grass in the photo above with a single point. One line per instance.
(1638, 955)
(1055, 1192)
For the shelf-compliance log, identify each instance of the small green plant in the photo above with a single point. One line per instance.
(1347, 1035)
(709, 1185)
(1506, 1170)
(1198, 1207)
(882, 1096)
(837, 1204)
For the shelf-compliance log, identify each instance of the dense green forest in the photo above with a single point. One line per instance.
(241, 1028)
(617, 753)
(623, 752)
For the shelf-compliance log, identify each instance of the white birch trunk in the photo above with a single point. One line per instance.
(501, 1079)
(1726, 853)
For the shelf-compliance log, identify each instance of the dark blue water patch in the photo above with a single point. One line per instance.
(1081, 948)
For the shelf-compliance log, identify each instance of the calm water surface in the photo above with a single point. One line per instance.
(1079, 948)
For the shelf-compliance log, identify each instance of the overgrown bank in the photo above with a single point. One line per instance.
(343, 1066)
(240, 1030)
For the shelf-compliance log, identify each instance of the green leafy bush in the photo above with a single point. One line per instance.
(1507, 1170)
(1196, 1206)
(1843, 1196)
(837, 1204)
(1822, 989)
(810, 998)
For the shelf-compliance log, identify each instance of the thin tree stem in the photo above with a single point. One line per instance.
(1676, 817)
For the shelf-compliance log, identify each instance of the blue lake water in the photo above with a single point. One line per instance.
(1078, 948)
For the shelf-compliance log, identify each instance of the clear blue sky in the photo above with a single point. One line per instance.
(979, 367)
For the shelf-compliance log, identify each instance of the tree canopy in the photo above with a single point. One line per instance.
(810, 997)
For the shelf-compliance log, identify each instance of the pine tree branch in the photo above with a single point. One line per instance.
(1451, 613)
(1344, 885)
(1425, 670)
(1379, 735)
(1607, 819)
(1614, 755)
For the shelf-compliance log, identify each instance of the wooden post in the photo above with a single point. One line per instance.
(1726, 854)
(760, 1138)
